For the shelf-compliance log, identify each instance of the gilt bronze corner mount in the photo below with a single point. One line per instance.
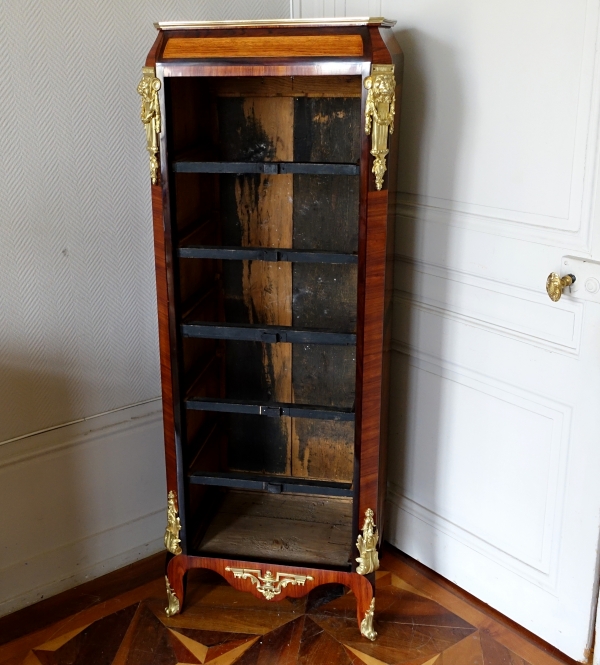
(172, 539)
(379, 115)
(148, 89)
(366, 625)
(368, 561)
(173, 606)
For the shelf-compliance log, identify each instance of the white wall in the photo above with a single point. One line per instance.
(326, 8)
(78, 333)
(80, 501)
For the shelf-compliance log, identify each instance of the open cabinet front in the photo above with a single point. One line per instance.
(270, 211)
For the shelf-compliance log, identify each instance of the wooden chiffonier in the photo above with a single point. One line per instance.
(271, 147)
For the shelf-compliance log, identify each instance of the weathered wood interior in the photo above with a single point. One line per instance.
(284, 528)
(236, 310)
(268, 332)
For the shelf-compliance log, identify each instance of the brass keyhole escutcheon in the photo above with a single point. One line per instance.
(555, 285)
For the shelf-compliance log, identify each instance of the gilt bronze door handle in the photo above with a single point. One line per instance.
(555, 285)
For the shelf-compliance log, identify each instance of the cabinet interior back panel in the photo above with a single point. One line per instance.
(274, 122)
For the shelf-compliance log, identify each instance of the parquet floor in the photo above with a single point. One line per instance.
(418, 623)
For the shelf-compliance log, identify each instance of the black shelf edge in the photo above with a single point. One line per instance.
(269, 409)
(264, 254)
(273, 168)
(271, 484)
(267, 334)
(315, 168)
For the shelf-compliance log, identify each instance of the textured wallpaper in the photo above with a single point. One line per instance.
(78, 332)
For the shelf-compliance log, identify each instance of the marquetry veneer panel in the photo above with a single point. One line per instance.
(267, 47)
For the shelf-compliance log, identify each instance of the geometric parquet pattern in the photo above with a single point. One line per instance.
(222, 626)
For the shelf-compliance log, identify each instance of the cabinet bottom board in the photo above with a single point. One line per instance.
(286, 528)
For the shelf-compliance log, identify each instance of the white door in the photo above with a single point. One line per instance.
(495, 470)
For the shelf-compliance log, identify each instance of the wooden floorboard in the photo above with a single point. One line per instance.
(53, 609)
(476, 612)
(119, 619)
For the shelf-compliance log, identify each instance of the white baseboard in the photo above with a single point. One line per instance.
(50, 573)
(80, 501)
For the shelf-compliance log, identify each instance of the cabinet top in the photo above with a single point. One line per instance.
(277, 23)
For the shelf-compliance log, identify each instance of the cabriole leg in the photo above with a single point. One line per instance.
(366, 625)
(175, 582)
(365, 605)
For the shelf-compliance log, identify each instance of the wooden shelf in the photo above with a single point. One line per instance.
(263, 254)
(286, 528)
(267, 334)
(270, 168)
(270, 409)
(271, 484)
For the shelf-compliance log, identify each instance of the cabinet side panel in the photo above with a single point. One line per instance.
(373, 376)
(393, 165)
(370, 423)
(379, 48)
(164, 336)
(155, 51)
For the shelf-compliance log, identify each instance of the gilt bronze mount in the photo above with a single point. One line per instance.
(271, 584)
(172, 539)
(379, 115)
(368, 561)
(148, 90)
(366, 625)
(173, 606)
